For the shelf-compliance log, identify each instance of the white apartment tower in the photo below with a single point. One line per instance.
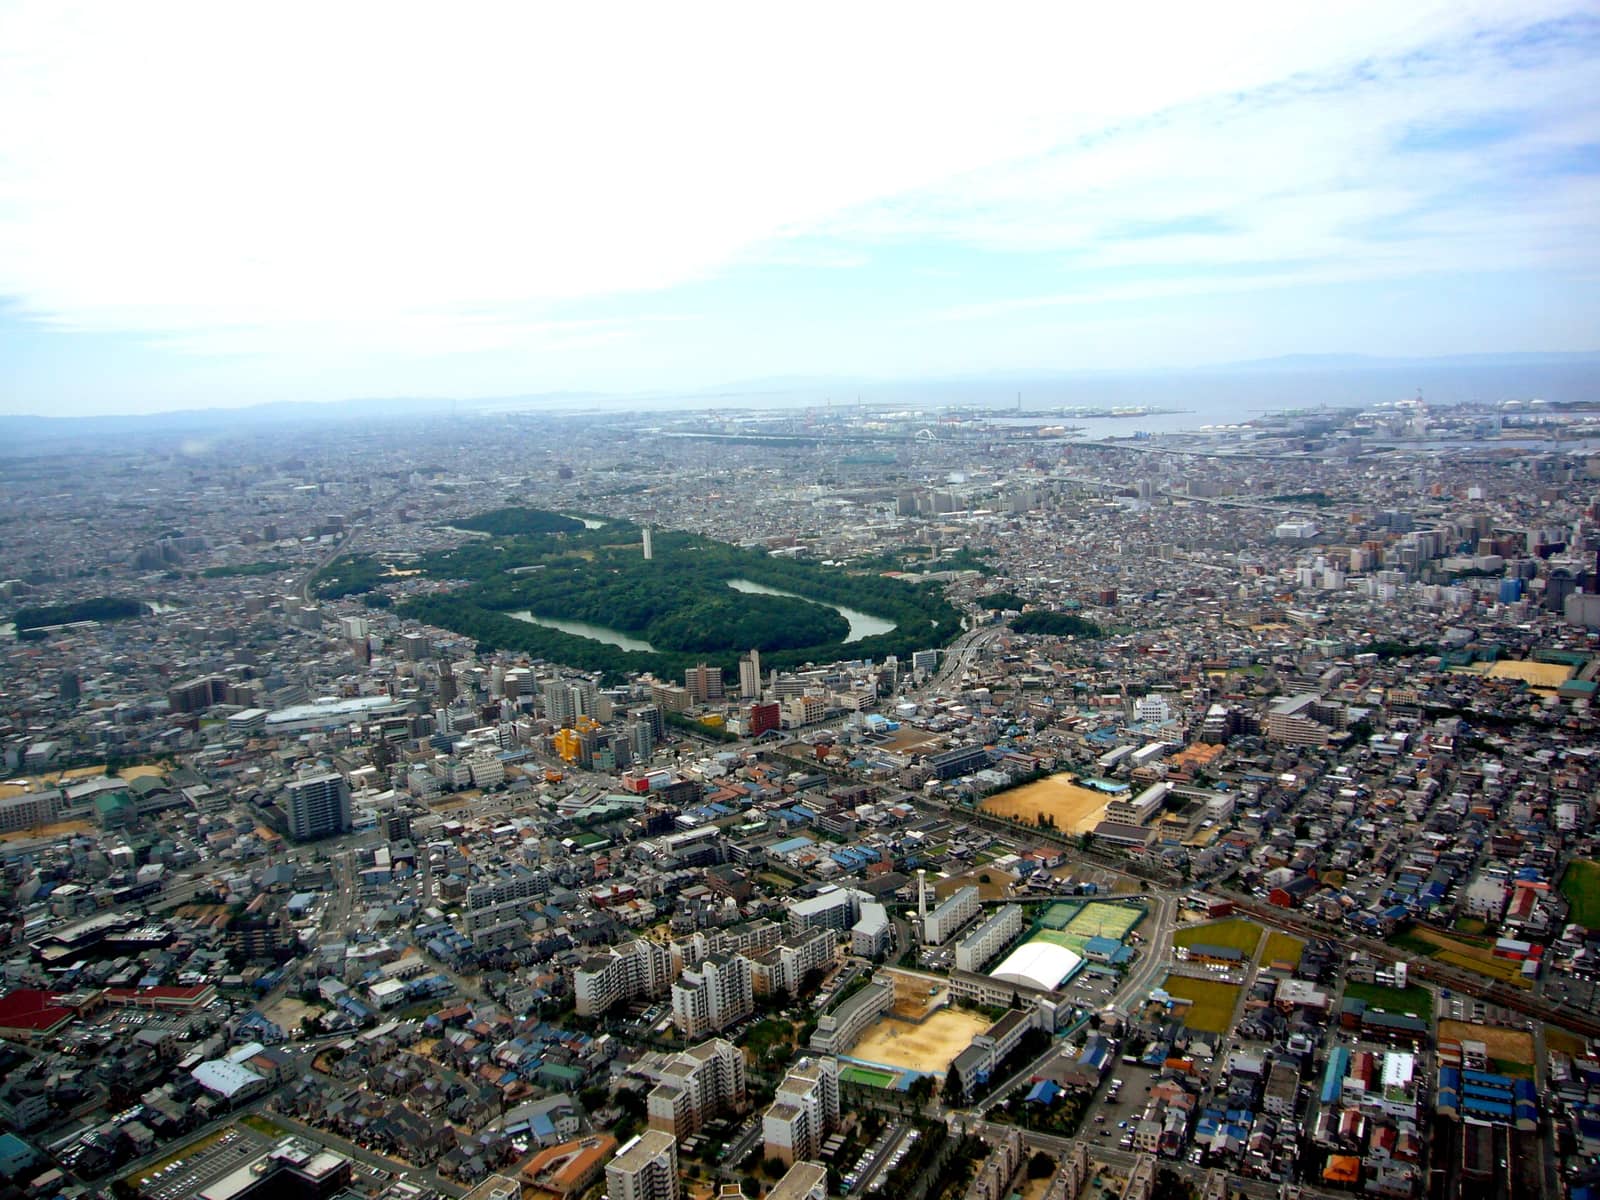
(750, 676)
(713, 996)
(636, 968)
(646, 1168)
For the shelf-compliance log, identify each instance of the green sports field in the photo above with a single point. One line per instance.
(867, 1076)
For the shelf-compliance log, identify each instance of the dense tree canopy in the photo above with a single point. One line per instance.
(97, 608)
(680, 602)
(515, 521)
(1055, 624)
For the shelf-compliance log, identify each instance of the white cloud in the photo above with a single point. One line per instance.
(414, 177)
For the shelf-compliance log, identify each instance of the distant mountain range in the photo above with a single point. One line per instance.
(1357, 362)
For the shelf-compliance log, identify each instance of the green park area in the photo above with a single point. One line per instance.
(1581, 886)
(696, 600)
(1417, 1001)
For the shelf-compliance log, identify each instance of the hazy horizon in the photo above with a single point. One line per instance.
(203, 206)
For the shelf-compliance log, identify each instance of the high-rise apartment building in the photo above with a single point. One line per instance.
(636, 968)
(557, 696)
(317, 806)
(695, 1086)
(703, 683)
(646, 1168)
(804, 1111)
(750, 676)
(713, 996)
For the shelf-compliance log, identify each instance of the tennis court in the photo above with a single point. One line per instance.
(1059, 915)
(1105, 920)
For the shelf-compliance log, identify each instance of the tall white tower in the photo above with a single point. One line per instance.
(649, 544)
(922, 894)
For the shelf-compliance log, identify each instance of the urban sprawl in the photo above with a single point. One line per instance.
(390, 808)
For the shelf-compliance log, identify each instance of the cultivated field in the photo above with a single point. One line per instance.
(1282, 948)
(1466, 955)
(929, 1047)
(1074, 809)
(1211, 1003)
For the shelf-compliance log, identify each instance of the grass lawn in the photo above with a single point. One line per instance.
(1234, 933)
(1282, 948)
(263, 1126)
(1412, 999)
(867, 1076)
(1581, 886)
(1211, 1010)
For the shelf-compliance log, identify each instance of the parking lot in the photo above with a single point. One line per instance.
(188, 1176)
(1128, 1106)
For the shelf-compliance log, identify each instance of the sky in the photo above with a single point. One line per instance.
(226, 204)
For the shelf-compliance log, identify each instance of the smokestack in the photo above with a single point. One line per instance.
(922, 894)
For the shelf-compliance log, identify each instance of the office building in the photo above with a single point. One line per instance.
(294, 1169)
(646, 1168)
(713, 996)
(804, 1111)
(696, 1085)
(317, 806)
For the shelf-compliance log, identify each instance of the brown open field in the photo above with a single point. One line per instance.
(55, 830)
(1075, 809)
(930, 1047)
(1512, 1045)
(1534, 674)
(997, 888)
(908, 737)
(288, 1011)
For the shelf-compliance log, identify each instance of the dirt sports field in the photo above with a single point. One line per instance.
(929, 1047)
(1508, 1045)
(1075, 809)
